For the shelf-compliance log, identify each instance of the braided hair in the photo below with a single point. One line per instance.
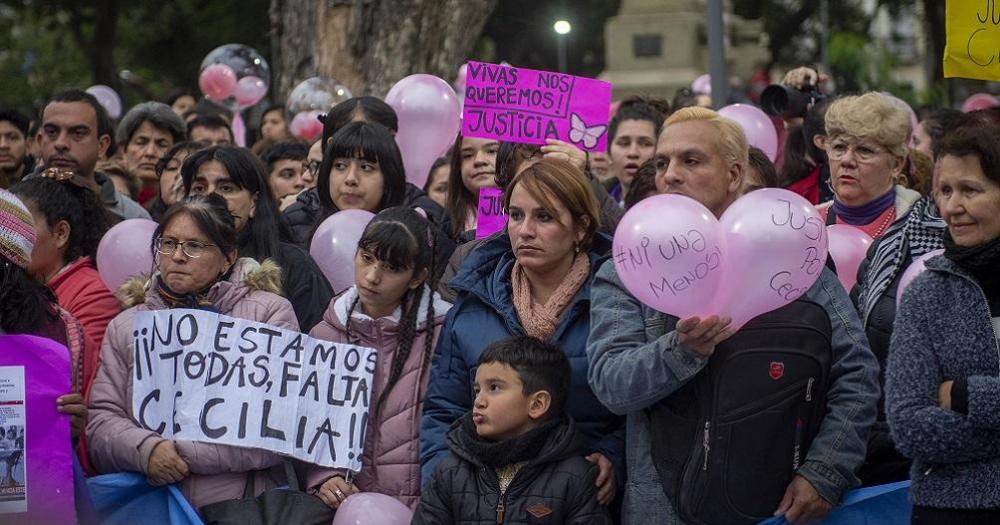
(402, 237)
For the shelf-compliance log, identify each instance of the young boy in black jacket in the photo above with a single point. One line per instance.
(515, 458)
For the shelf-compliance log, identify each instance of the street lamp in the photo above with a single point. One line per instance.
(562, 28)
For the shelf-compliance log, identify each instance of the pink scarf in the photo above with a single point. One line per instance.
(540, 320)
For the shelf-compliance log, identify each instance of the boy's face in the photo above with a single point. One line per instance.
(501, 410)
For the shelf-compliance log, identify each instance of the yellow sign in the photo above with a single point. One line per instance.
(973, 39)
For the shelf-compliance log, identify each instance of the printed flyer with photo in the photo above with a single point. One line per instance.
(13, 485)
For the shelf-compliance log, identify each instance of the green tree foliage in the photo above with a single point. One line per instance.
(54, 44)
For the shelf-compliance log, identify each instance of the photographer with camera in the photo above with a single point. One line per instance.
(800, 103)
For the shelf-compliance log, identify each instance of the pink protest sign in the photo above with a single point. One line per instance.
(35, 450)
(526, 105)
(490, 217)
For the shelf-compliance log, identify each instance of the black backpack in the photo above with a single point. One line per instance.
(727, 444)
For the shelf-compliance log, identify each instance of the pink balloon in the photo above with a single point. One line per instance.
(429, 120)
(675, 265)
(125, 251)
(372, 508)
(335, 243)
(249, 91)
(108, 98)
(702, 84)
(306, 125)
(979, 101)
(915, 268)
(775, 249)
(848, 247)
(217, 82)
(757, 125)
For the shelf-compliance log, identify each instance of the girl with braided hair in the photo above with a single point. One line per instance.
(392, 307)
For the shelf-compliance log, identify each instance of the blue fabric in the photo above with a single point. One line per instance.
(636, 360)
(879, 505)
(126, 499)
(484, 313)
(86, 514)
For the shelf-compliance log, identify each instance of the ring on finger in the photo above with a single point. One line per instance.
(339, 494)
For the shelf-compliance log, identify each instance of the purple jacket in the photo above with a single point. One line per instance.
(390, 461)
(117, 442)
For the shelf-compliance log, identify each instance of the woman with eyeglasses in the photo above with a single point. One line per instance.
(866, 146)
(262, 233)
(197, 266)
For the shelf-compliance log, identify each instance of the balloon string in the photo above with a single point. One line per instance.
(239, 130)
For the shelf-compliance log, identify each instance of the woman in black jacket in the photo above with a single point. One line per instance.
(238, 176)
(305, 214)
(362, 169)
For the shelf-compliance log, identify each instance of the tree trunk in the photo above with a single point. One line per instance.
(292, 49)
(934, 52)
(368, 45)
(102, 59)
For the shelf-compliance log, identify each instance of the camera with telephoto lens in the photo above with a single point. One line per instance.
(779, 100)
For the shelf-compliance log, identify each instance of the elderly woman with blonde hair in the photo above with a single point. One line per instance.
(867, 137)
(866, 146)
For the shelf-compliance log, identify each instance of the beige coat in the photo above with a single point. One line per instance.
(117, 443)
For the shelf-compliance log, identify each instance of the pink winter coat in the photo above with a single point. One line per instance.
(118, 443)
(390, 460)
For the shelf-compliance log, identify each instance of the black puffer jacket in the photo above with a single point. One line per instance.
(304, 214)
(557, 486)
(304, 285)
(307, 208)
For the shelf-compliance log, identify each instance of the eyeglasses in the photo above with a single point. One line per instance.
(192, 249)
(837, 149)
(311, 166)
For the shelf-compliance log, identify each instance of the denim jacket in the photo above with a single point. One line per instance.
(636, 360)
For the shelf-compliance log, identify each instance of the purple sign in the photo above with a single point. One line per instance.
(36, 456)
(527, 105)
(490, 217)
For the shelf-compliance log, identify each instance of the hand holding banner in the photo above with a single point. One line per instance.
(208, 377)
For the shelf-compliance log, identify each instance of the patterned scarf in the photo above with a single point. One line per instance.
(196, 301)
(540, 320)
(918, 232)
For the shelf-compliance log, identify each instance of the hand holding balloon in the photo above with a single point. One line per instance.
(702, 336)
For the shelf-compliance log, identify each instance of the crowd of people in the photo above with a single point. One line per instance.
(517, 378)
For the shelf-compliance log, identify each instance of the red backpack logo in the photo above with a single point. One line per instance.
(777, 370)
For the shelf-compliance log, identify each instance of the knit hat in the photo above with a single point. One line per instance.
(17, 230)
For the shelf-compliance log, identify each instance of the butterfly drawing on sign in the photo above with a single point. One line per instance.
(581, 134)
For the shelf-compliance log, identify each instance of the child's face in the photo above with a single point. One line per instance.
(380, 285)
(501, 410)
